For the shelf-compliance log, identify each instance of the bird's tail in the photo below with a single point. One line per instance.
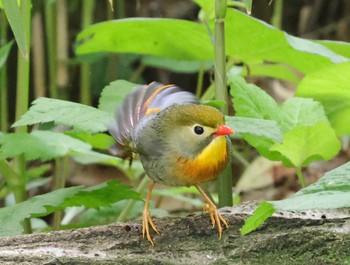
(139, 106)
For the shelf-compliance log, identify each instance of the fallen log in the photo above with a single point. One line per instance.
(314, 237)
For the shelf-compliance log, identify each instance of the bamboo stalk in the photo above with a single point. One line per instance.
(22, 99)
(276, 19)
(62, 48)
(38, 56)
(225, 179)
(85, 73)
(50, 29)
(3, 78)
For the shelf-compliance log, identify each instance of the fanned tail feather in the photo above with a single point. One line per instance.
(139, 106)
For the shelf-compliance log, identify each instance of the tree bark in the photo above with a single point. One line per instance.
(315, 237)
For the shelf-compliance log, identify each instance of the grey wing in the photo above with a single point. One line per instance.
(140, 106)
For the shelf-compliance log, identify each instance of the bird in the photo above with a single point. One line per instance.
(179, 142)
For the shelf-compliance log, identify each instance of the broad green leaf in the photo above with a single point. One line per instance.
(273, 45)
(112, 95)
(331, 191)
(101, 195)
(291, 119)
(330, 86)
(177, 66)
(91, 157)
(258, 127)
(11, 217)
(14, 17)
(339, 47)
(80, 117)
(170, 38)
(300, 111)
(165, 38)
(4, 52)
(278, 71)
(43, 145)
(251, 101)
(305, 144)
(99, 140)
(260, 215)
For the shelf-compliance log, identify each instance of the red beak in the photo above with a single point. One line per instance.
(224, 130)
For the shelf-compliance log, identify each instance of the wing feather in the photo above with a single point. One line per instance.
(140, 106)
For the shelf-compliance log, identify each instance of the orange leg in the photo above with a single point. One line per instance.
(146, 217)
(211, 208)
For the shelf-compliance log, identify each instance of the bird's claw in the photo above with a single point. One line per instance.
(146, 222)
(215, 217)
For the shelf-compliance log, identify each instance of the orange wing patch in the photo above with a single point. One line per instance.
(152, 110)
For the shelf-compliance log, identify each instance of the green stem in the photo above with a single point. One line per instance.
(301, 177)
(225, 179)
(50, 22)
(3, 78)
(199, 88)
(61, 165)
(130, 204)
(276, 19)
(120, 8)
(85, 74)
(22, 99)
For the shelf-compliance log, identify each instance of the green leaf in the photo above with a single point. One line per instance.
(11, 217)
(305, 144)
(151, 36)
(294, 118)
(251, 101)
(15, 20)
(260, 215)
(300, 111)
(330, 86)
(258, 127)
(80, 117)
(278, 71)
(177, 66)
(43, 145)
(102, 195)
(273, 45)
(99, 140)
(112, 95)
(4, 52)
(331, 191)
(339, 47)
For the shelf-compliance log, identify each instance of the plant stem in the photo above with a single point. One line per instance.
(199, 88)
(38, 59)
(22, 98)
(50, 29)
(225, 179)
(62, 77)
(301, 177)
(3, 77)
(85, 74)
(61, 165)
(125, 213)
(276, 19)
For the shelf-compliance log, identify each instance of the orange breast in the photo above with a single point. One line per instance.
(207, 165)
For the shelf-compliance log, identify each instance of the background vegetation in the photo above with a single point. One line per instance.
(76, 60)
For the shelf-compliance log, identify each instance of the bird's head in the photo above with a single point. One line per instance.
(189, 129)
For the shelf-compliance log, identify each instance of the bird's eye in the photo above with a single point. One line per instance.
(198, 130)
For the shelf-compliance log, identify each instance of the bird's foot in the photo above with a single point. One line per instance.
(146, 223)
(215, 217)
